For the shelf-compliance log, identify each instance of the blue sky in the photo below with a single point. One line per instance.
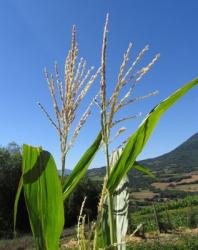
(36, 33)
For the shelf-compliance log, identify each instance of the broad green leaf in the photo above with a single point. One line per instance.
(81, 167)
(143, 169)
(43, 197)
(16, 202)
(138, 140)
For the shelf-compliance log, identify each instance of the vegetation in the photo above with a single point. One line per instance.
(183, 243)
(171, 215)
(45, 193)
(168, 168)
(182, 213)
(10, 172)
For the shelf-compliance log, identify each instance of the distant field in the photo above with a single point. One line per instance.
(143, 194)
(173, 218)
(179, 182)
(173, 182)
(188, 187)
(160, 185)
(185, 184)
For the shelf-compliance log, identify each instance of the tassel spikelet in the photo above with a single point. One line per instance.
(67, 96)
(126, 78)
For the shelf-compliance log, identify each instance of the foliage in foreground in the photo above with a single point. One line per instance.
(45, 194)
(184, 242)
(35, 174)
(10, 172)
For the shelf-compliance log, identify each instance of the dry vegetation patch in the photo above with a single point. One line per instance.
(186, 184)
(143, 194)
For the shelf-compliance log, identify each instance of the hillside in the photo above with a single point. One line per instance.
(183, 159)
(176, 172)
(67, 172)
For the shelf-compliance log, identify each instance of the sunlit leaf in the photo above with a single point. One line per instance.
(102, 233)
(143, 169)
(17, 201)
(81, 167)
(43, 197)
(139, 139)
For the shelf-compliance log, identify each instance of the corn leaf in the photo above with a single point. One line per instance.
(20, 186)
(102, 233)
(81, 167)
(43, 197)
(138, 140)
(143, 169)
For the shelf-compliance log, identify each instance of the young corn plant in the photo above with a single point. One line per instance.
(127, 80)
(109, 233)
(44, 193)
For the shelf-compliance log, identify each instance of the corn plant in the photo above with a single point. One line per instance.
(43, 190)
(127, 159)
(44, 194)
(107, 229)
(111, 107)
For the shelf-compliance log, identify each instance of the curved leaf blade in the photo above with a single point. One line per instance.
(102, 232)
(138, 140)
(143, 169)
(20, 186)
(81, 167)
(43, 197)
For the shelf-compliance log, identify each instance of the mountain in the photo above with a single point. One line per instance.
(183, 158)
(176, 170)
(67, 172)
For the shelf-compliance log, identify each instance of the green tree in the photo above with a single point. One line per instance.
(10, 172)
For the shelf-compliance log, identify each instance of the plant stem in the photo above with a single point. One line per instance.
(63, 168)
(63, 155)
(110, 199)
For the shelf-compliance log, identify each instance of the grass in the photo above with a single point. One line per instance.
(181, 240)
(169, 219)
(182, 243)
(23, 243)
